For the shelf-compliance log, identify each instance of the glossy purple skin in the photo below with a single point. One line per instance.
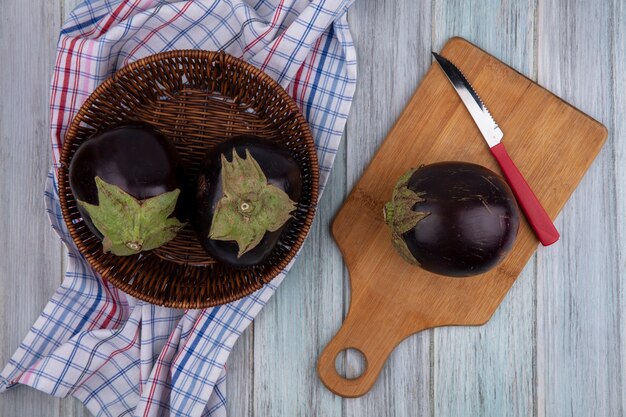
(473, 220)
(137, 158)
(281, 171)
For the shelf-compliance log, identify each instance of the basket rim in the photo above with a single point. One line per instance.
(213, 56)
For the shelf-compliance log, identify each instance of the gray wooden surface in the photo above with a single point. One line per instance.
(557, 344)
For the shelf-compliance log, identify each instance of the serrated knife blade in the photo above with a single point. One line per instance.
(532, 208)
(477, 109)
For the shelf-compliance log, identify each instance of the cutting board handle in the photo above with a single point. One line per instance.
(365, 332)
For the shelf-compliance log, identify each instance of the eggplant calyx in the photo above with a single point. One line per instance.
(250, 206)
(400, 216)
(129, 225)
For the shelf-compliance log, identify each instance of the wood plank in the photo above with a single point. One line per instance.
(30, 264)
(240, 376)
(618, 65)
(69, 407)
(299, 319)
(392, 40)
(578, 329)
(488, 370)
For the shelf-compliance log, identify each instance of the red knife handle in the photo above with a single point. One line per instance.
(535, 213)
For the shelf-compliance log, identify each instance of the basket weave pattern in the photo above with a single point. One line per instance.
(197, 99)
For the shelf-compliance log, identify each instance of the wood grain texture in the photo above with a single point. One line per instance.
(578, 287)
(488, 370)
(476, 371)
(239, 372)
(618, 140)
(391, 64)
(30, 252)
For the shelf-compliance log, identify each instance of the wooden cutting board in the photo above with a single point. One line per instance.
(552, 143)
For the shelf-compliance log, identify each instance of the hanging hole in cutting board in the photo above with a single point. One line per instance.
(350, 363)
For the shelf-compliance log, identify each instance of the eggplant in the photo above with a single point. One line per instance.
(127, 182)
(247, 189)
(453, 218)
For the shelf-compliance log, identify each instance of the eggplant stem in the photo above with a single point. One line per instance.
(388, 213)
(136, 246)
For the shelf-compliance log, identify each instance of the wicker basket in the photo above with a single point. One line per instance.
(196, 98)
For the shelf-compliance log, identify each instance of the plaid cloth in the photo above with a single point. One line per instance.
(118, 355)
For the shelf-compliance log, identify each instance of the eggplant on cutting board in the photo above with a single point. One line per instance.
(453, 218)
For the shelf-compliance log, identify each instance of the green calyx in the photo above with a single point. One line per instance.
(250, 206)
(400, 216)
(129, 225)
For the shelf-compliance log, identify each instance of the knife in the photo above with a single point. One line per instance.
(532, 208)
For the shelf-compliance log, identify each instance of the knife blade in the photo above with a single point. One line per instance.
(533, 210)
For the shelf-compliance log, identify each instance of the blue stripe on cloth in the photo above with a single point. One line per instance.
(195, 342)
(82, 322)
(180, 34)
(81, 25)
(318, 73)
(50, 335)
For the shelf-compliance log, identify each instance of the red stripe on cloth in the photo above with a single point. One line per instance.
(76, 70)
(107, 302)
(155, 30)
(306, 84)
(66, 70)
(116, 318)
(277, 14)
(296, 81)
(109, 22)
(24, 378)
(66, 76)
(113, 17)
(272, 51)
(57, 137)
(114, 353)
(109, 317)
(157, 371)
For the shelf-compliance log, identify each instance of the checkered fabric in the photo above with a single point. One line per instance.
(116, 354)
